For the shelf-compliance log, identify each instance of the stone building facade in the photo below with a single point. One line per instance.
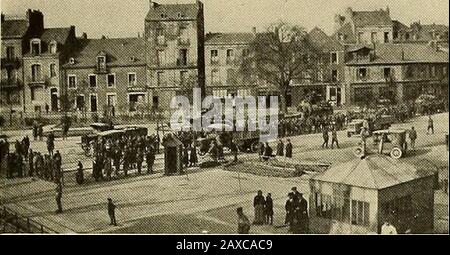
(398, 72)
(107, 76)
(327, 79)
(15, 37)
(174, 43)
(41, 65)
(224, 53)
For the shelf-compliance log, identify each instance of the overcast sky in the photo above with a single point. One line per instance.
(115, 18)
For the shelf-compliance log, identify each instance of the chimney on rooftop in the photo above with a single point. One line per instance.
(254, 30)
(387, 10)
(84, 36)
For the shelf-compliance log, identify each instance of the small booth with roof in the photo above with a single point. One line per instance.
(358, 196)
(173, 153)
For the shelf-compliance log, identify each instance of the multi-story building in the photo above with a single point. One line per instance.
(15, 35)
(399, 72)
(41, 65)
(174, 43)
(326, 79)
(224, 53)
(364, 27)
(107, 76)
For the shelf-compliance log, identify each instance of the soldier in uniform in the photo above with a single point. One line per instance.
(79, 176)
(334, 138)
(150, 157)
(31, 163)
(289, 149)
(430, 125)
(413, 137)
(139, 160)
(112, 212)
(57, 166)
(193, 156)
(59, 197)
(325, 137)
(280, 148)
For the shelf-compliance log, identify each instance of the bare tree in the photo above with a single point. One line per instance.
(279, 55)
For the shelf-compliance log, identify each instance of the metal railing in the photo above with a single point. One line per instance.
(13, 222)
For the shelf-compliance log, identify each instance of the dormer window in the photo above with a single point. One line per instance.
(101, 63)
(180, 15)
(53, 47)
(71, 61)
(35, 46)
(163, 15)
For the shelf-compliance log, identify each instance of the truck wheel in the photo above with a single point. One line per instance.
(254, 146)
(396, 153)
(358, 152)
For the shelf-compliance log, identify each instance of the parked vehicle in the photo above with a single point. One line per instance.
(391, 142)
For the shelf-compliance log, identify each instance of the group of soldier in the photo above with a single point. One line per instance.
(125, 153)
(309, 124)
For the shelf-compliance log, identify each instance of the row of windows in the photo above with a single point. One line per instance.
(342, 209)
(92, 80)
(182, 59)
(35, 46)
(230, 55)
(363, 74)
(36, 72)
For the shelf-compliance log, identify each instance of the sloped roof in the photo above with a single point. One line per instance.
(322, 41)
(347, 31)
(412, 52)
(58, 34)
(373, 172)
(371, 18)
(399, 26)
(14, 28)
(119, 52)
(425, 33)
(228, 38)
(171, 11)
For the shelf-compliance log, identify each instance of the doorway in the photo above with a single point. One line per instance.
(93, 103)
(54, 99)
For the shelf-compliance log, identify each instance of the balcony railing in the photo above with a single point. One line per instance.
(38, 80)
(11, 62)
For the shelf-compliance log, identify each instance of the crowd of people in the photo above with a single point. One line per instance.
(121, 154)
(296, 218)
(24, 162)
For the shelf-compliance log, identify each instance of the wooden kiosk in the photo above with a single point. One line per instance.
(357, 197)
(173, 152)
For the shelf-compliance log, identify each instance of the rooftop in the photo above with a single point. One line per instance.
(14, 28)
(405, 53)
(172, 12)
(371, 18)
(322, 41)
(228, 38)
(119, 52)
(58, 34)
(373, 172)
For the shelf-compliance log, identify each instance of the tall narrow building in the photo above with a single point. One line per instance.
(174, 38)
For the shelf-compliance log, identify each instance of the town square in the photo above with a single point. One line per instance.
(92, 143)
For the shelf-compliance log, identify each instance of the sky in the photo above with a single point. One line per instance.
(116, 18)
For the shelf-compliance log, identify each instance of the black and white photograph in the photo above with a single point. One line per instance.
(238, 117)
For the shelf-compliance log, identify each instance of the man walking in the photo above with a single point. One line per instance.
(325, 137)
(334, 138)
(413, 137)
(268, 209)
(430, 125)
(112, 212)
(59, 197)
(288, 149)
